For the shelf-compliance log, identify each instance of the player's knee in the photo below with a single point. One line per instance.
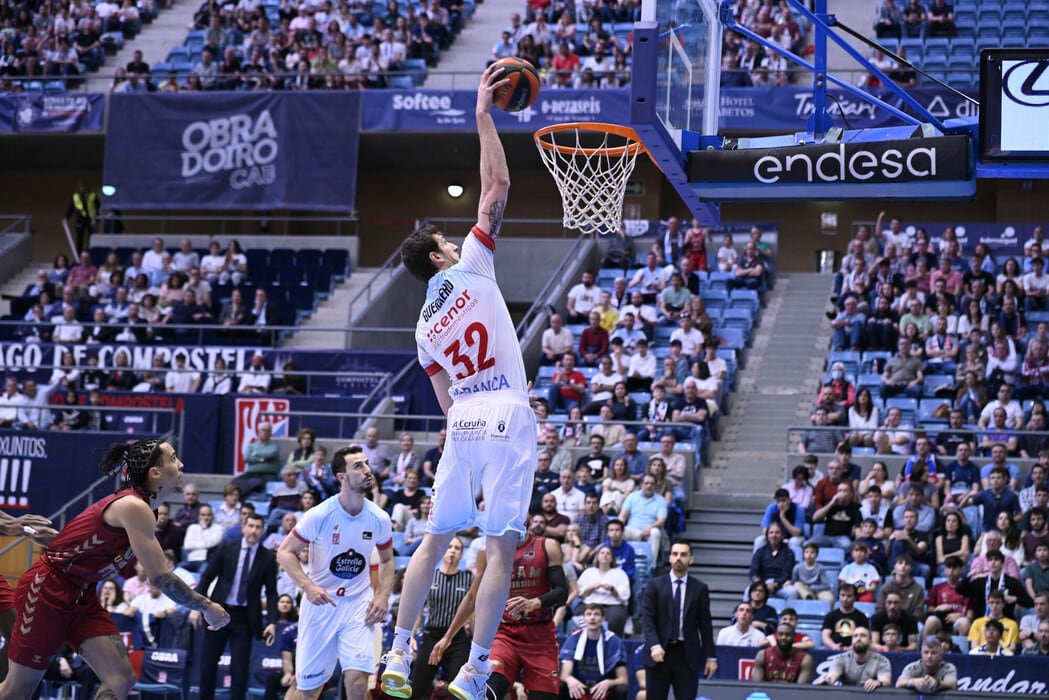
(356, 685)
(499, 685)
(119, 681)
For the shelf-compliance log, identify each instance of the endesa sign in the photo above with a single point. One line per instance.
(932, 167)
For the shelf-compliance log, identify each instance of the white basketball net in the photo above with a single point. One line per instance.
(591, 174)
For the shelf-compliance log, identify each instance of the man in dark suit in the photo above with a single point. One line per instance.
(242, 600)
(675, 613)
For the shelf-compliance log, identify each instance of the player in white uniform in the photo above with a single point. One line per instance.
(469, 348)
(339, 609)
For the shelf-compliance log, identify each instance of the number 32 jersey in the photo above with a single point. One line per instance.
(465, 328)
(341, 546)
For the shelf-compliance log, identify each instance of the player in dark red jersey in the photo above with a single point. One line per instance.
(56, 600)
(36, 528)
(526, 640)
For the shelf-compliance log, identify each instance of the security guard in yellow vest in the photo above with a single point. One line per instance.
(84, 210)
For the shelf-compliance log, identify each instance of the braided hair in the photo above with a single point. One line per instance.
(133, 460)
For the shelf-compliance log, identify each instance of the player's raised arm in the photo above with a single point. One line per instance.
(139, 522)
(495, 176)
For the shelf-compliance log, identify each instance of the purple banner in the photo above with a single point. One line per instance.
(233, 151)
(781, 109)
(55, 114)
(453, 110)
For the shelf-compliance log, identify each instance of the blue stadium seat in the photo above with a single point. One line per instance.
(915, 48)
(926, 408)
(319, 277)
(936, 382)
(178, 53)
(307, 256)
(908, 407)
(258, 258)
(871, 355)
(733, 338)
(745, 298)
(989, 15)
(965, 17)
(1012, 12)
(936, 46)
(416, 70)
(849, 358)
(400, 82)
(811, 610)
(337, 260)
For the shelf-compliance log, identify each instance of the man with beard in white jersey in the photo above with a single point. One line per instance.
(469, 348)
(339, 610)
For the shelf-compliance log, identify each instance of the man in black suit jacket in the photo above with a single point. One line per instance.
(672, 650)
(242, 602)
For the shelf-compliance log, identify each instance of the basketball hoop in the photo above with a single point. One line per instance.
(591, 163)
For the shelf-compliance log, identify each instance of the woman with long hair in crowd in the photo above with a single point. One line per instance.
(864, 419)
(952, 539)
(606, 584)
(616, 486)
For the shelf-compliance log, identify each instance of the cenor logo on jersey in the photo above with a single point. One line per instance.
(348, 564)
(463, 302)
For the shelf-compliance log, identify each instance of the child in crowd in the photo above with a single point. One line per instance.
(861, 573)
(809, 580)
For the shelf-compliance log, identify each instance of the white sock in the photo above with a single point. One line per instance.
(479, 658)
(401, 640)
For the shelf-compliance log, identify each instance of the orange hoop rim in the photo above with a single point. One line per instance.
(630, 149)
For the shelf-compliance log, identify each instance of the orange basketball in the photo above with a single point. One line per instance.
(522, 89)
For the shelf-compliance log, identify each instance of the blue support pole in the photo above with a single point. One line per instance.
(820, 120)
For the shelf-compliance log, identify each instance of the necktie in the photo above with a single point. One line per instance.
(675, 622)
(242, 587)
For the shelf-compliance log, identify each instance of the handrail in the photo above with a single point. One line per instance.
(366, 292)
(552, 281)
(102, 82)
(15, 224)
(220, 218)
(197, 331)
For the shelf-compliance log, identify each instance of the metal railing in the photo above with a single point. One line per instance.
(384, 381)
(212, 334)
(377, 284)
(536, 313)
(981, 454)
(142, 224)
(17, 224)
(103, 81)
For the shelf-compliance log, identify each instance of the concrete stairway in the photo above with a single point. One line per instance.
(461, 65)
(14, 286)
(775, 390)
(333, 312)
(722, 541)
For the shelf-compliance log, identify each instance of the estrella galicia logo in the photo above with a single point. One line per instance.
(501, 425)
(347, 565)
(1026, 83)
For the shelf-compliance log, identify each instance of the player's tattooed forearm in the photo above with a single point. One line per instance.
(174, 587)
(495, 217)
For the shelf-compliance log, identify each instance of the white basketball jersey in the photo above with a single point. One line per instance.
(465, 328)
(341, 545)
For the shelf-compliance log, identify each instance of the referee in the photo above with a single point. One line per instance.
(450, 586)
